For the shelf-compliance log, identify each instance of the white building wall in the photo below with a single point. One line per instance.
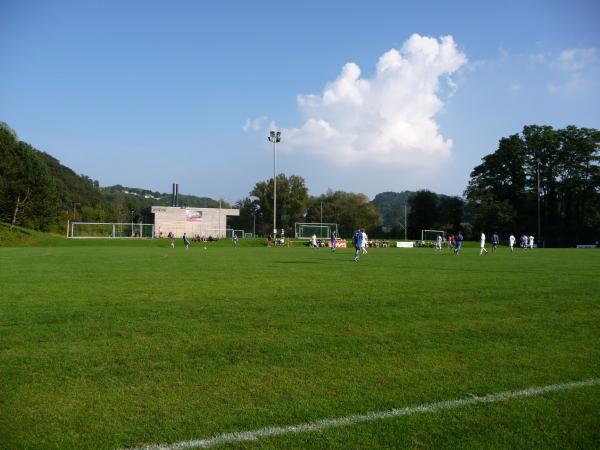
(192, 221)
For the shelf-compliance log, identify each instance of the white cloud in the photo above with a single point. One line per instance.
(388, 119)
(254, 124)
(569, 68)
(576, 59)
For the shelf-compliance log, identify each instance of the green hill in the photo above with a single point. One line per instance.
(38, 192)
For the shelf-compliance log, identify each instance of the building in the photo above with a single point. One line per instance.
(203, 222)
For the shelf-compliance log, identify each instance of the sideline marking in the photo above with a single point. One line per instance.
(242, 436)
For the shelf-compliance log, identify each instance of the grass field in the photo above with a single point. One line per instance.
(121, 344)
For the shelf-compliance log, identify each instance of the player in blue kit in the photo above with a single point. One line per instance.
(333, 240)
(495, 241)
(357, 240)
(459, 239)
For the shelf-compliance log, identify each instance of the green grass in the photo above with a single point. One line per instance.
(109, 344)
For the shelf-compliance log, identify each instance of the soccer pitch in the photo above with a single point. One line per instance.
(126, 344)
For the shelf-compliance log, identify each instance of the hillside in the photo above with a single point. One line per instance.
(40, 193)
(149, 198)
(391, 207)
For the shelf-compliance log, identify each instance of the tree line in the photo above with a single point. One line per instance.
(542, 182)
(540, 178)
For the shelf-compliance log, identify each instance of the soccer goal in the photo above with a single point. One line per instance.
(105, 230)
(216, 233)
(321, 230)
(239, 233)
(428, 237)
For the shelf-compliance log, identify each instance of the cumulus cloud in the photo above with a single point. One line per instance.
(387, 119)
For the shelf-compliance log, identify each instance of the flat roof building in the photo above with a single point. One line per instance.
(203, 222)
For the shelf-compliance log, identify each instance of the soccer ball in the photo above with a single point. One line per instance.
(204, 248)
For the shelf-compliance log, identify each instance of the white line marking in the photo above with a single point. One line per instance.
(242, 436)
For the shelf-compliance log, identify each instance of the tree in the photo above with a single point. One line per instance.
(497, 189)
(347, 209)
(451, 212)
(28, 192)
(292, 200)
(559, 166)
(248, 211)
(424, 213)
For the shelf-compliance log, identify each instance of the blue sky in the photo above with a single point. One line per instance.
(145, 94)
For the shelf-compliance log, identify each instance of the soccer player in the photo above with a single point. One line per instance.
(364, 242)
(459, 239)
(530, 241)
(482, 245)
(313, 241)
(171, 237)
(512, 240)
(333, 240)
(495, 241)
(357, 238)
(234, 240)
(438, 243)
(186, 241)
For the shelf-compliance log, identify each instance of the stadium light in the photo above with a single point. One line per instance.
(132, 223)
(539, 224)
(274, 137)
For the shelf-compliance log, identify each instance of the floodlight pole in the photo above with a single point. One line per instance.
(321, 212)
(132, 223)
(274, 137)
(539, 224)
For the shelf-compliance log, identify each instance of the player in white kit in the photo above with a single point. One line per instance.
(482, 245)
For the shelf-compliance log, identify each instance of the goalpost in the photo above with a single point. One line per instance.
(110, 230)
(216, 233)
(321, 230)
(241, 234)
(430, 236)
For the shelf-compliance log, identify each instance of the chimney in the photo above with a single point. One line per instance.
(176, 194)
(173, 196)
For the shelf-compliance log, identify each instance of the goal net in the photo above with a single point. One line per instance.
(101, 230)
(321, 230)
(214, 233)
(428, 237)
